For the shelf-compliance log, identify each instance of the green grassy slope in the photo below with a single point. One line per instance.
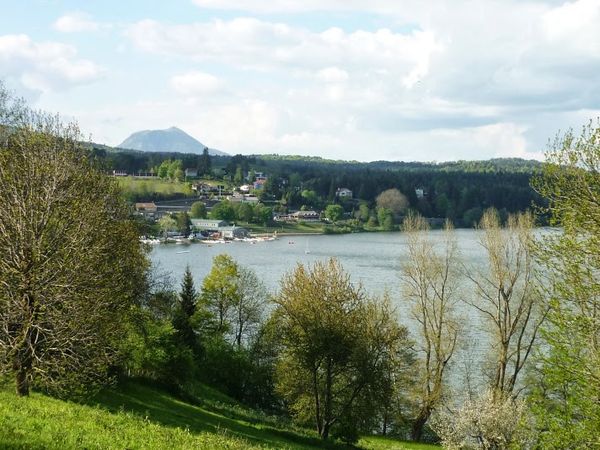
(138, 416)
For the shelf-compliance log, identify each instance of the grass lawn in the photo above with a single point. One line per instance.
(145, 187)
(137, 415)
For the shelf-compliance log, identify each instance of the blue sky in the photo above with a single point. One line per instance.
(405, 80)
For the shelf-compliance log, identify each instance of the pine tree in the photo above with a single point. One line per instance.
(186, 307)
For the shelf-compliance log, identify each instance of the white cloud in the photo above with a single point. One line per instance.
(436, 80)
(44, 66)
(196, 83)
(252, 43)
(332, 75)
(75, 22)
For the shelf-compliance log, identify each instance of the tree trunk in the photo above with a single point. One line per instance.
(21, 368)
(22, 383)
(419, 424)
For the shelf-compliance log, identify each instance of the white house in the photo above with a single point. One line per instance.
(343, 193)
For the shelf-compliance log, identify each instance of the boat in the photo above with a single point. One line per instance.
(183, 251)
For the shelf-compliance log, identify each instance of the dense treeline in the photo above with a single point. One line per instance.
(458, 191)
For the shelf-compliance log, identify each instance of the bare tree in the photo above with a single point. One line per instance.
(506, 295)
(71, 265)
(429, 283)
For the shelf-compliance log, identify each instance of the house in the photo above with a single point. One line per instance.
(191, 173)
(259, 184)
(208, 224)
(233, 232)
(420, 193)
(146, 209)
(343, 193)
(306, 216)
(119, 173)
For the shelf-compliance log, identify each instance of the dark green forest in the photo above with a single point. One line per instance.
(459, 191)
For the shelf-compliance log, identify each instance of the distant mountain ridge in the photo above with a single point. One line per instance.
(169, 140)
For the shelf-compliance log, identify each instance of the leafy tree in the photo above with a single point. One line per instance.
(71, 265)
(220, 291)
(198, 210)
(179, 175)
(239, 175)
(566, 398)
(163, 169)
(236, 298)
(334, 212)
(392, 199)
(430, 282)
(167, 224)
(262, 214)
(339, 349)
(223, 210)
(174, 167)
(385, 217)
(363, 212)
(184, 223)
(245, 212)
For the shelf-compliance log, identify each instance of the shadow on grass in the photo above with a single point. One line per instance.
(162, 407)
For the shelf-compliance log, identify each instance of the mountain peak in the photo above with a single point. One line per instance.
(172, 139)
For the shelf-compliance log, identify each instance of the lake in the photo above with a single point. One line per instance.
(372, 259)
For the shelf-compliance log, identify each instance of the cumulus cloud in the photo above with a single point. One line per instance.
(453, 79)
(44, 66)
(253, 43)
(75, 22)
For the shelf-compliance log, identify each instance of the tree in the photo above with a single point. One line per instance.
(339, 349)
(262, 214)
(223, 210)
(394, 200)
(385, 217)
(205, 163)
(245, 212)
(219, 291)
(71, 265)
(507, 297)
(185, 310)
(236, 298)
(487, 422)
(334, 212)
(167, 224)
(430, 283)
(184, 223)
(566, 396)
(248, 310)
(198, 210)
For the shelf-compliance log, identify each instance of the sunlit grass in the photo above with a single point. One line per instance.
(141, 416)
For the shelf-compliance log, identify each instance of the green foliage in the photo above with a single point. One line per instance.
(334, 212)
(71, 265)
(385, 217)
(198, 210)
(566, 398)
(185, 309)
(339, 350)
(167, 224)
(184, 223)
(223, 210)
